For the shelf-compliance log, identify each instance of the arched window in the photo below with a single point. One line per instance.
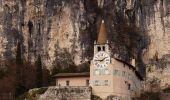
(67, 83)
(99, 48)
(129, 86)
(103, 48)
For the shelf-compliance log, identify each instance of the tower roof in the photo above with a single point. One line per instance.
(102, 34)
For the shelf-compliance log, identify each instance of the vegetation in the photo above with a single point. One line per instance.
(18, 82)
(2, 73)
(32, 95)
(84, 67)
(95, 97)
(149, 96)
(19, 59)
(39, 72)
(19, 87)
(166, 90)
(63, 62)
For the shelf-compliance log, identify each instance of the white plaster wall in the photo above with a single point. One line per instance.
(74, 81)
(118, 83)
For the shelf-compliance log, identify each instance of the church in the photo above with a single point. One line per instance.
(108, 76)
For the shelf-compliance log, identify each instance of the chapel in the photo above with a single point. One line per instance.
(108, 76)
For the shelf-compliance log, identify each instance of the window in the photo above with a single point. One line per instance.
(97, 72)
(103, 48)
(129, 76)
(87, 82)
(96, 83)
(129, 86)
(115, 72)
(106, 82)
(67, 83)
(99, 48)
(123, 73)
(106, 72)
(119, 73)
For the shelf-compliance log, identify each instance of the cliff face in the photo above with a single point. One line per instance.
(55, 29)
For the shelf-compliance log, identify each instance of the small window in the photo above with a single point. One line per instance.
(67, 83)
(87, 82)
(119, 73)
(129, 86)
(123, 73)
(129, 76)
(115, 72)
(96, 83)
(106, 82)
(106, 72)
(103, 48)
(97, 72)
(99, 48)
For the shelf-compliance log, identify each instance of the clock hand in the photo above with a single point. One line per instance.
(97, 60)
(103, 59)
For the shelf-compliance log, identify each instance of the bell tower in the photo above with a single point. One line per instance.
(101, 67)
(102, 42)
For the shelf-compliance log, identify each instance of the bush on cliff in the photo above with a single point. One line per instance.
(32, 94)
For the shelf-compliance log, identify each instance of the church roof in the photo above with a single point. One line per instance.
(132, 67)
(102, 34)
(83, 74)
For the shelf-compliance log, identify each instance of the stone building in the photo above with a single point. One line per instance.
(109, 77)
(72, 79)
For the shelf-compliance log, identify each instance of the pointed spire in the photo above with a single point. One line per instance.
(102, 34)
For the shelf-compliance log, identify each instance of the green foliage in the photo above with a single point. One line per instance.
(70, 69)
(40, 90)
(39, 73)
(95, 97)
(23, 96)
(46, 77)
(112, 97)
(19, 59)
(166, 90)
(84, 67)
(59, 69)
(64, 62)
(56, 70)
(149, 96)
(2, 73)
(20, 88)
(33, 94)
(19, 80)
(37, 91)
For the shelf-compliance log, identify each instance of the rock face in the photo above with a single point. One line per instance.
(135, 29)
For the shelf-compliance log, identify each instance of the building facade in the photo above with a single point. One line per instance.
(108, 77)
(112, 76)
(72, 79)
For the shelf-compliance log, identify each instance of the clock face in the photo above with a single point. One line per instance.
(101, 59)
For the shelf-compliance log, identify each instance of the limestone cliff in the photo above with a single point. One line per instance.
(135, 28)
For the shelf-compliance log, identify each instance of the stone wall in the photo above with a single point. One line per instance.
(67, 93)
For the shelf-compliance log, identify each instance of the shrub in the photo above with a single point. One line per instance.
(32, 95)
(2, 73)
(95, 97)
(166, 90)
(149, 96)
